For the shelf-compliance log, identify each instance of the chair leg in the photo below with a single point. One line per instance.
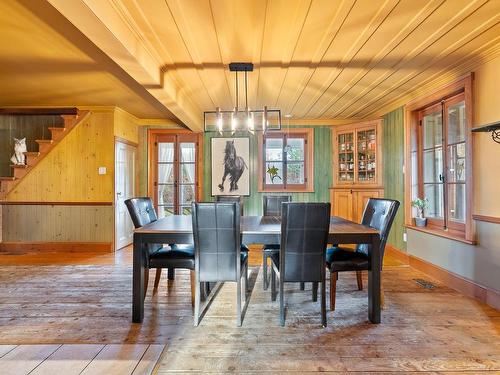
(382, 294)
(171, 273)
(193, 283)
(247, 287)
(273, 284)
(238, 301)
(323, 303)
(282, 302)
(146, 280)
(197, 298)
(359, 277)
(302, 285)
(315, 291)
(333, 289)
(265, 283)
(157, 278)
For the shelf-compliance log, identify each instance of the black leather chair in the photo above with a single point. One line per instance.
(218, 255)
(304, 238)
(142, 212)
(271, 207)
(230, 199)
(378, 214)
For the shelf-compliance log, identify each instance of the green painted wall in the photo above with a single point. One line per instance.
(253, 203)
(393, 150)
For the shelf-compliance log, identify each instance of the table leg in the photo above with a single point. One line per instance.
(138, 281)
(374, 282)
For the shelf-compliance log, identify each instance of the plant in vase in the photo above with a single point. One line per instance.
(420, 204)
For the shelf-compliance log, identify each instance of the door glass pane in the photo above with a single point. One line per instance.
(295, 150)
(434, 193)
(166, 173)
(432, 130)
(165, 194)
(165, 211)
(187, 194)
(274, 173)
(346, 156)
(295, 173)
(274, 149)
(456, 202)
(188, 152)
(456, 163)
(187, 173)
(433, 165)
(456, 123)
(165, 152)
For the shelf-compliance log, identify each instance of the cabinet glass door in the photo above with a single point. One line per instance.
(367, 149)
(345, 144)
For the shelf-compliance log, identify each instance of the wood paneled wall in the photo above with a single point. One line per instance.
(70, 172)
(43, 223)
(125, 126)
(253, 203)
(32, 127)
(393, 149)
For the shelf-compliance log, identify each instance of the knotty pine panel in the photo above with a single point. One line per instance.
(125, 126)
(30, 223)
(69, 173)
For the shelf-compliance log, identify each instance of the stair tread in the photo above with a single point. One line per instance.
(19, 166)
(32, 153)
(57, 128)
(8, 178)
(44, 141)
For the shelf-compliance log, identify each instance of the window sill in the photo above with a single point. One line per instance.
(306, 190)
(441, 233)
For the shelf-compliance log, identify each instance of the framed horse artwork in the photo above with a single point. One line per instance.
(230, 160)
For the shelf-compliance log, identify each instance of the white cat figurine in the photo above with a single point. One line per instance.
(19, 149)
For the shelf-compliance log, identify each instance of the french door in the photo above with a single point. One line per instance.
(175, 173)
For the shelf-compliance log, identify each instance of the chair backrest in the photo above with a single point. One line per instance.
(231, 198)
(141, 211)
(217, 241)
(379, 214)
(272, 204)
(304, 238)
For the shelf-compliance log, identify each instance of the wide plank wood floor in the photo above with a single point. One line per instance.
(72, 311)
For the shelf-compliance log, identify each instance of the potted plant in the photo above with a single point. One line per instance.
(420, 204)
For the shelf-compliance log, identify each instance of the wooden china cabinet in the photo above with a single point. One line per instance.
(357, 168)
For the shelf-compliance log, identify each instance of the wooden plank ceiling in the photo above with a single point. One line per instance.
(314, 59)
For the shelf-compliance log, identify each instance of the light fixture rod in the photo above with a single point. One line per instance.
(246, 91)
(237, 107)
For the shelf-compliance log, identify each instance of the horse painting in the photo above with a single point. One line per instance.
(234, 166)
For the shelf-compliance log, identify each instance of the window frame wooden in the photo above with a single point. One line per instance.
(178, 136)
(464, 233)
(308, 135)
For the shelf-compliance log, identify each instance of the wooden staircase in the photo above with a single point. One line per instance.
(44, 147)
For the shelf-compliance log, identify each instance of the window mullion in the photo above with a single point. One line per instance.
(444, 127)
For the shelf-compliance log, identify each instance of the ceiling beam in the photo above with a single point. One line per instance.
(101, 22)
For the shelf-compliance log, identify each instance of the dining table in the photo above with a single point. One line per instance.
(254, 230)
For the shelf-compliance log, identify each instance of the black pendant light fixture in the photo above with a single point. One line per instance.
(242, 119)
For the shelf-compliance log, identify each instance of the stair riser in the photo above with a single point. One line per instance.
(31, 160)
(44, 147)
(57, 134)
(20, 172)
(69, 120)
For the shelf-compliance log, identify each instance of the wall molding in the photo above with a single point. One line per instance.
(99, 247)
(487, 219)
(24, 203)
(465, 286)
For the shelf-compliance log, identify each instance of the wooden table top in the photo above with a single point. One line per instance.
(250, 225)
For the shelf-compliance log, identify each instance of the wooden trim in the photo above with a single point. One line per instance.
(448, 278)
(464, 85)
(309, 167)
(451, 235)
(38, 111)
(100, 247)
(487, 219)
(23, 203)
(126, 141)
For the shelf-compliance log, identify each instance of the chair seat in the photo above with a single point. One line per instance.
(344, 259)
(179, 256)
